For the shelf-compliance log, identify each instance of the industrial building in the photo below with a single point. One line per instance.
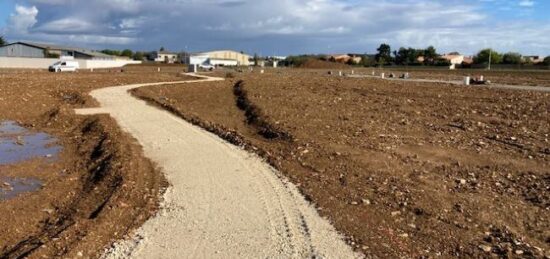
(218, 58)
(40, 50)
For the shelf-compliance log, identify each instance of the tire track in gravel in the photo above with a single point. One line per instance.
(223, 202)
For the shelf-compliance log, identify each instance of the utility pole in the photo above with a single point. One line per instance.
(490, 54)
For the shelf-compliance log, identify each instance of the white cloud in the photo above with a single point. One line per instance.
(22, 20)
(68, 25)
(526, 3)
(289, 26)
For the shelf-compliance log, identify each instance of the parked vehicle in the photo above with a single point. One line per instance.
(64, 66)
(207, 67)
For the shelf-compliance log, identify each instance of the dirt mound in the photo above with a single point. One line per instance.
(320, 64)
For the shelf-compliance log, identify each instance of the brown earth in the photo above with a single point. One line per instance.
(402, 169)
(99, 189)
(513, 77)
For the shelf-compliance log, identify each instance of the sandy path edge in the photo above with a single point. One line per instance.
(223, 202)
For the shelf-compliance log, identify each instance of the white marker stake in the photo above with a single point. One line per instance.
(467, 80)
(382, 75)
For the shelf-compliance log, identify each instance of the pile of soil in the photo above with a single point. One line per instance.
(403, 169)
(100, 187)
(321, 64)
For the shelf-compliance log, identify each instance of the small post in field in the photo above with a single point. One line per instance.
(466, 80)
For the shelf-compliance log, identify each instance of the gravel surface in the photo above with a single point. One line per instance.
(223, 202)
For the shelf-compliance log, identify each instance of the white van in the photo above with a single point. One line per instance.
(64, 66)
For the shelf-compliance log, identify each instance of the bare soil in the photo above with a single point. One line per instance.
(513, 77)
(402, 169)
(99, 189)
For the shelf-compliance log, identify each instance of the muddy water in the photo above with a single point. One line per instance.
(18, 144)
(11, 187)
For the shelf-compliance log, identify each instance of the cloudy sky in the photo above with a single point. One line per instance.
(281, 27)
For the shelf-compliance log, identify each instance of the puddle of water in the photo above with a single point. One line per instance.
(19, 144)
(11, 187)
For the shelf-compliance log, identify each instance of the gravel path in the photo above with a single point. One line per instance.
(223, 202)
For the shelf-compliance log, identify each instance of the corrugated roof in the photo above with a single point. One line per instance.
(88, 52)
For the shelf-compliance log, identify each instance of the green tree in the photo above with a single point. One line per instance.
(111, 52)
(512, 58)
(546, 61)
(408, 56)
(483, 57)
(430, 55)
(138, 55)
(402, 56)
(161, 48)
(384, 54)
(367, 61)
(127, 53)
(3, 42)
(48, 54)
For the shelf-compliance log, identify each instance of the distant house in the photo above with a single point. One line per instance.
(163, 56)
(345, 58)
(468, 60)
(42, 50)
(534, 59)
(454, 59)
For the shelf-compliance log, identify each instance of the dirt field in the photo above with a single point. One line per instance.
(97, 189)
(402, 169)
(516, 77)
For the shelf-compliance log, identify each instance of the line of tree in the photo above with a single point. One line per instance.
(509, 58)
(138, 55)
(429, 56)
(407, 56)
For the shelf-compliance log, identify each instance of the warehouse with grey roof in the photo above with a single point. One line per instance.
(41, 50)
